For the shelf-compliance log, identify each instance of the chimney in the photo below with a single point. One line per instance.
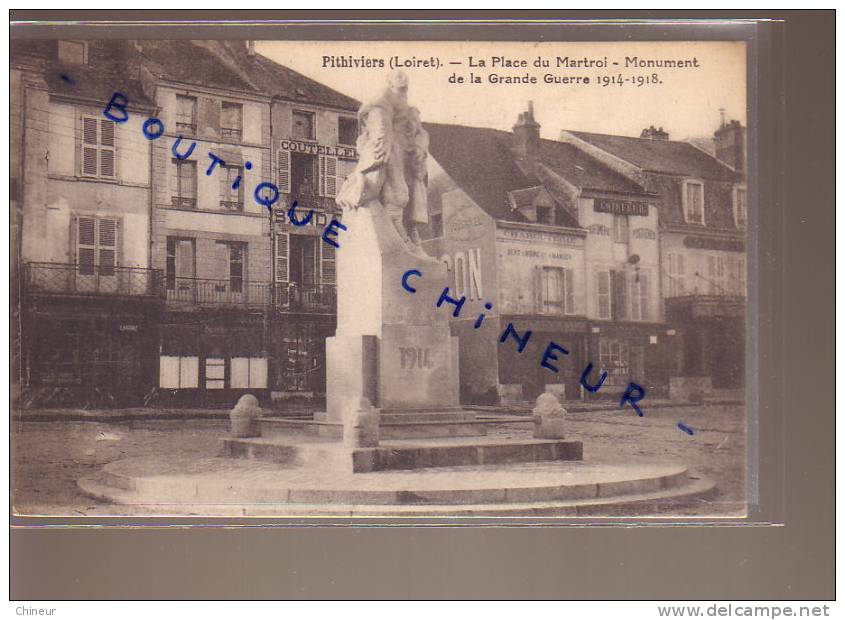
(526, 140)
(654, 134)
(250, 48)
(731, 144)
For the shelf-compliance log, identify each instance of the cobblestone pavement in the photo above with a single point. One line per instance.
(48, 457)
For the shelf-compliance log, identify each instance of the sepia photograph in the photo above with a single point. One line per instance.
(479, 281)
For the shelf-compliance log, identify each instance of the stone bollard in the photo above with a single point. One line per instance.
(549, 417)
(361, 425)
(245, 417)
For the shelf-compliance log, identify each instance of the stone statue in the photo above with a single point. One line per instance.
(392, 148)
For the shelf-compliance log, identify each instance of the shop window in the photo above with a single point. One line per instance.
(347, 131)
(178, 372)
(231, 195)
(740, 207)
(231, 121)
(620, 229)
(186, 115)
(98, 148)
(184, 184)
(639, 297)
(304, 126)
(693, 199)
(248, 372)
(613, 358)
(215, 373)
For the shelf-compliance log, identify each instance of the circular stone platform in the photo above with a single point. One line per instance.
(227, 487)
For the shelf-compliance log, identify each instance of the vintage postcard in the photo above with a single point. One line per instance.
(396, 279)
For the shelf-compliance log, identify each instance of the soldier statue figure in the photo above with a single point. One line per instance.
(392, 148)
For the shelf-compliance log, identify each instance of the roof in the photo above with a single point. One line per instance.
(480, 161)
(665, 156)
(191, 62)
(458, 149)
(103, 75)
(585, 171)
(277, 80)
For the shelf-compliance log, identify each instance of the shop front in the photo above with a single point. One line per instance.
(212, 359)
(643, 353)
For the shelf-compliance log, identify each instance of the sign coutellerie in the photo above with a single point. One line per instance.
(312, 148)
(620, 207)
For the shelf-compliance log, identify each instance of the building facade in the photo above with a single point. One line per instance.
(702, 207)
(151, 265)
(556, 243)
(90, 297)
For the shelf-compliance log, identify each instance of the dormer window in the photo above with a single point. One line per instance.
(693, 202)
(545, 215)
(740, 207)
(73, 52)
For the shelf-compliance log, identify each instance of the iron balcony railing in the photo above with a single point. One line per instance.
(68, 279)
(294, 297)
(230, 292)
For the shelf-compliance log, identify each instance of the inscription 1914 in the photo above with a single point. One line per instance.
(415, 357)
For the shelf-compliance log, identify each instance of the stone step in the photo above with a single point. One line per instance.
(652, 500)
(388, 430)
(402, 455)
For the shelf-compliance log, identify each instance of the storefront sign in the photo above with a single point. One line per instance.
(708, 243)
(620, 207)
(541, 236)
(128, 328)
(312, 148)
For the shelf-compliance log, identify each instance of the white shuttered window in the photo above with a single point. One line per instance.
(98, 148)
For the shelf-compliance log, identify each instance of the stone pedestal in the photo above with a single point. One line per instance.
(392, 346)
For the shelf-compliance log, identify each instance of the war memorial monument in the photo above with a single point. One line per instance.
(394, 439)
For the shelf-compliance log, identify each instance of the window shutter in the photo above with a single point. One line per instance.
(328, 176)
(327, 264)
(618, 296)
(643, 300)
(107, 246)
(174, 179)
(89, 130)
(74, 230)
(284, 171)
(106, 133)
(538, 289)
(223, 176)
(568, 291)
(89, 146)
(86, 245)
(282, 257)
(107, 163)
(107, 155)
(603, 294)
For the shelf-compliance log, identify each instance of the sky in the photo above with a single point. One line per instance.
(686, 103)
